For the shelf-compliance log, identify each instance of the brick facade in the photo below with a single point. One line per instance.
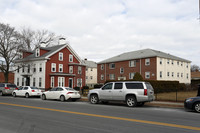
(10, 79)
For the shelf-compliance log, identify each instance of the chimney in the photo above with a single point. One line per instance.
(62, 41)
(85, 58)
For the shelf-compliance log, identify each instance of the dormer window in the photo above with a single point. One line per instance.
(60, 56)
(37, 52)
(70, 58)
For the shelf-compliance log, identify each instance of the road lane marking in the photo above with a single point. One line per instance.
(108, 117)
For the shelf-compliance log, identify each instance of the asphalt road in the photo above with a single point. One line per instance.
(20, 115)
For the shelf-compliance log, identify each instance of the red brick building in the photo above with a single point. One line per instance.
(48, 67)
(151, 64)
(10, 79)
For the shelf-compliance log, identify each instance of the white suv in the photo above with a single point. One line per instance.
(132, 92)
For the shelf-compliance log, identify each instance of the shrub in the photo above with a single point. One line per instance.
(137, 77)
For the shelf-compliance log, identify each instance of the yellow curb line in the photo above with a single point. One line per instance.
(108, 117)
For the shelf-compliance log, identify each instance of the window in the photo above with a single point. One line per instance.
(132, 63)
(168, 61)
(37, 52)
(121, 70)
(168, 74)
(91, 69)
(160, 74)
(79, 82)
(187, 76)
(86, 77)
(147, 75)
(18, 69)
(40, 82)
(178, 63)
(23, 81)
(91, 77)
(61, 81)
(102, 77)
(34, 82)
(40, 67)
(112, 66)
(160, 61)
(172, 62)
(107, 86)
(70, 69)
(52, 82)
(131, 75)
(102, 66)
(29, 68)
(118, 86)
(112, 76)
(17, 81)
(23, 69)
(134, 85)
(70, 58)
(172, 74)
(187, 65)
(34, 68)
(181, 75)
(147, 62)
(178, 75)
(60, 67)
(53, 67)
(60, 56)
(181, 63)
(79, 70)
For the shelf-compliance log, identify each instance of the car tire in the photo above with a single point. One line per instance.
(197, 107)
(43, 97)
(14, 94)
(27, 95)
(131, 101)
(62, 98)
(1, 93)
(94, 99)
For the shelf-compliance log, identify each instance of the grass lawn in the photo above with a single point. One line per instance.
(171, 96)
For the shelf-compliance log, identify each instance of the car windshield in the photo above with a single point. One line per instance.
(12, 85)
(34, 88)
(70, 89)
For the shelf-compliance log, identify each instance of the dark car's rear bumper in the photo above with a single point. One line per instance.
(188, 105)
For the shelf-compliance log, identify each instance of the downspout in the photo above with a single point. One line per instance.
(140, 67)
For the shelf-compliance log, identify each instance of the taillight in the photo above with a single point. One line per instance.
(16, 88)
(145, 92)
(7, 88)
(33, 90)
(70, 92)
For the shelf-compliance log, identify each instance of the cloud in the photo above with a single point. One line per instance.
(104, 28)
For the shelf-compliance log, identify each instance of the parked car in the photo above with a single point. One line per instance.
(27, 91)
(193, 103)
(7, 88)
(132, 92)
(61, 93)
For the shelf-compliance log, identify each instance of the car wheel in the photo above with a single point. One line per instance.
(197, 107)
(1, 93)
(94, 99)
(27, 95)
(62, 98)
(140, 104)
(14, 94)
(131, 101)
(43, 97)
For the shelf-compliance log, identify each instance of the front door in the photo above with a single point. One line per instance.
(27, 81)
(105, 93)
(70, 83)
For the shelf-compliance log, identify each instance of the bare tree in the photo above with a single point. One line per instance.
(32, 38)
(10, 45)
(195, 68)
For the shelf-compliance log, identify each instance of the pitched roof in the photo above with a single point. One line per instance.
(90, 64)
(145, 53)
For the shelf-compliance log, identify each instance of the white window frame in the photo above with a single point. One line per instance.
(178, 75)
(112, 76)
(161, 62)
(131, 75)
(161, 75)
(102, 66)
(102, 77)
(79, 80)
(112, 65)
(40, 66)
(168, 74)
(53, 65)
(147, 75)
(52, 82)
(147, 62)
(70, 58)
(37, 52)
(60, 58)
(61, 81)
(71, 69)
(40, 82)
(172, 74)
(60, 67)
(132, 63)
(79, 70)
(121, 70)
(34, 81)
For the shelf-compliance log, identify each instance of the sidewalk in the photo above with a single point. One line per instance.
(156, 103)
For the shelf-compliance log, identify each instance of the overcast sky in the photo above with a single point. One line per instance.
(99, 29)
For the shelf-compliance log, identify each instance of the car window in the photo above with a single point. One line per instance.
(134, 86)
(59, 89)
(149, 86)
(107, 86)
(118, 86)
(12, 85)
(53, 89)
(20, 88)
(2, 85)
(70, 89)
(25, 88)
(34, 88)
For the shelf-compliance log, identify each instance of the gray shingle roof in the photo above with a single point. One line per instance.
(145, 53)
(90, 64)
